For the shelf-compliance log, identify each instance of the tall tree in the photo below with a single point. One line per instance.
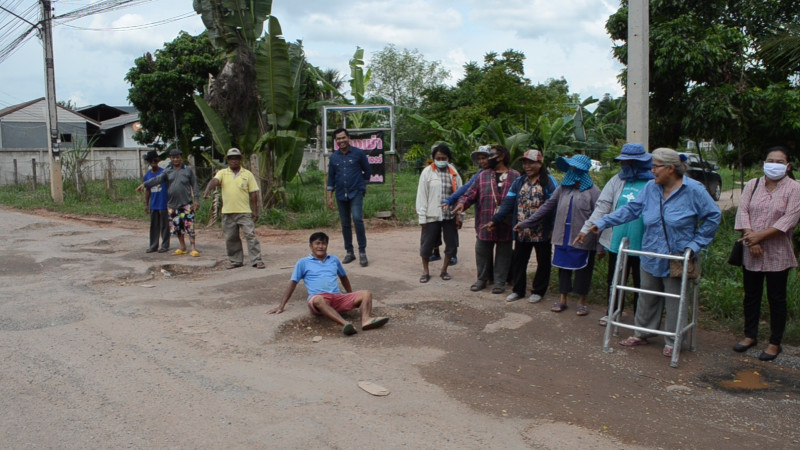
(402, 75)
(163, 84)
(706, 78)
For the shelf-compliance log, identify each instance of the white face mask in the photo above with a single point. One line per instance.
(441, 164)
(774, 171)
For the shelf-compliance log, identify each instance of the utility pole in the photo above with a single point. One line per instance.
(54, 138)
(638, 88)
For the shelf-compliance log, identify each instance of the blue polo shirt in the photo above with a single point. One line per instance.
(320, 277)
(348, 173)
(158, 193)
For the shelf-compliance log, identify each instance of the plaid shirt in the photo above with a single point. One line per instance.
(447, 191)
(778, 209)
(487, 197)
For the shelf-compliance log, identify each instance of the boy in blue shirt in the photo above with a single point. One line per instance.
(320, 271)
(155, 204)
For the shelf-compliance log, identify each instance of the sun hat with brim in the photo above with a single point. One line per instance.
(633, 151)
(580, 162)
(482, 150)
(533, 155)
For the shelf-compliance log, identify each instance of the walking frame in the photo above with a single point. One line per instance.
(619, 288)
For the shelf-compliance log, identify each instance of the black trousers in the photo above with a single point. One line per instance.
(776, 296)
(583, 278)
(159, 227)
(519, 266)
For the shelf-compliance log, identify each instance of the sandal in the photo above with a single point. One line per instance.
(180, 252)
(424, 278)
(194, 253)
(582, 310)
(260, 265)
(558, 307)
(445, 276)
(632, 341)
(478, 286)
(498, 290)
(667, 351)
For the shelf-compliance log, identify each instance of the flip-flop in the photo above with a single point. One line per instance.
(424, 278)
(445, 276)
(180, 252)
(233, 266)
(195, 253)
(632, 341)
(582, 310)
(478, 286)
(375, 323)
(558, 307)
(259, 265)
(349, 329)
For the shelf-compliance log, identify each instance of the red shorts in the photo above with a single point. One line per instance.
(339, 302)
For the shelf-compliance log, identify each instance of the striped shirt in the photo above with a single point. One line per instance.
(762, 209)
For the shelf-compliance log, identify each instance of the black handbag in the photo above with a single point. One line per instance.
(736, 257)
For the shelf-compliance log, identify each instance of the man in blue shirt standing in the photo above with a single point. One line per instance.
(348, 173)
(320, 271)
(155, 204)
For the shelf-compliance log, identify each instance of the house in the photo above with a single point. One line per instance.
(118, 124)
(25, 126)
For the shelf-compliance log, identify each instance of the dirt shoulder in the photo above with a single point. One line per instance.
(106, 346)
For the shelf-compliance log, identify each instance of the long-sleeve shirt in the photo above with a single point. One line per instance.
(182, 187)
(512, 203)
(348, 173)
(487, 197)
(583, 203)
(457, 194)
(762, 209)
(690, 218)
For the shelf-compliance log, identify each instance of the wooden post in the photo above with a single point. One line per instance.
(16, 174)
(257, 174)
(33, 169)
(109, 177)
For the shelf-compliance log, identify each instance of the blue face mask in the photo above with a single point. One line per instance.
(441, 164)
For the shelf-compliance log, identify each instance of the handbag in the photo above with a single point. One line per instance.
(736, 257)
(676, 265)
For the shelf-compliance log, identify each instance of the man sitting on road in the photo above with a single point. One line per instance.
(320, 270)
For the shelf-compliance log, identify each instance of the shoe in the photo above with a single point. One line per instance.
(667, 351)
(435, 257)
(163, 250)
(764, 356)
(741, 348)
(512, 297)
(180, 252)
(348, 258)
(453, 261)
(362, 259)
(149, 250)
(534, 298)
(603, 321)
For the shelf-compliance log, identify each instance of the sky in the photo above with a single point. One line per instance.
(92, 54)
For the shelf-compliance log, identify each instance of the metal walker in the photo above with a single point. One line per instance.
(619, 288)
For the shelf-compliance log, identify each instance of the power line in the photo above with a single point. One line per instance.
(135, 27)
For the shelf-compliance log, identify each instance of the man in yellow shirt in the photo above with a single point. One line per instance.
(239, 210)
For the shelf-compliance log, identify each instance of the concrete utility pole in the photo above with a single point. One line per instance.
(54, 138)
(638, 89)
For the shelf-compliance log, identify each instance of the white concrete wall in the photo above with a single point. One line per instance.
(127, 163)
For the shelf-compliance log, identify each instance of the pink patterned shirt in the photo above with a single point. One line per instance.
(778, 209)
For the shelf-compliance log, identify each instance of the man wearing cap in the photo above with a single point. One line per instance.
(348, 173)
(155, 204)
(526, 195)
(635, 174)
(239, 210)
(184, 197)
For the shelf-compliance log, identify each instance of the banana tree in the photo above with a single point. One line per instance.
(255, 102)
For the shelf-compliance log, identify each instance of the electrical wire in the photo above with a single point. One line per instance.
(135, 27)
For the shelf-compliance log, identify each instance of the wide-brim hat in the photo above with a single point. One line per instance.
(533, 155)
(482, 150)
(633, 151)
(580, 162)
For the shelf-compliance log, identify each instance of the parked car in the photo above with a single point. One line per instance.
(705, 172)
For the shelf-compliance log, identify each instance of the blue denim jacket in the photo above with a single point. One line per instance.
(690, 217)
(348, 174)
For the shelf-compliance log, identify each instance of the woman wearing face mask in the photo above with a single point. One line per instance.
(768, 212)
(437, 182)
